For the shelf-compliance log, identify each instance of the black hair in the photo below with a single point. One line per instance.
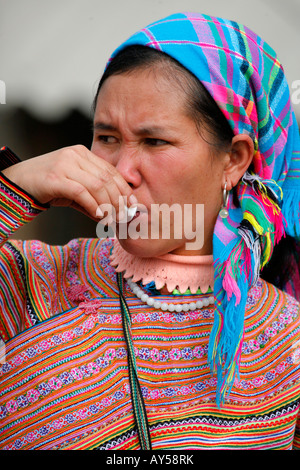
(205, 112)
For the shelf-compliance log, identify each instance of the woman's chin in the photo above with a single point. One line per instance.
(146, 248)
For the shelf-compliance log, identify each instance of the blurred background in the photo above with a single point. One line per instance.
(52, 55)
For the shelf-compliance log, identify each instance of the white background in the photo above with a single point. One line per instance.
(53, 52)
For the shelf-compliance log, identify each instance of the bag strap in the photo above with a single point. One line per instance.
(139, 409)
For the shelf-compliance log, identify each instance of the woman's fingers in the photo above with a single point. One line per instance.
(72, 176)
(74, 194)
(105, 172)
(102, 187)
(107, 184)
(108, 190)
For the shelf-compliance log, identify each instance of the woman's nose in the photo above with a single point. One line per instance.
(128, 166)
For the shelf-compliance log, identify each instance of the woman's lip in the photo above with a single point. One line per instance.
(130, 212)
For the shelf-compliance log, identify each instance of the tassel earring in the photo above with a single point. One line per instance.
(224, 211)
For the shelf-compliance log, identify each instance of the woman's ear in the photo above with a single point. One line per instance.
(240, 157)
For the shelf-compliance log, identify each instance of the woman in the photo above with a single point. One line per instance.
(193, 111)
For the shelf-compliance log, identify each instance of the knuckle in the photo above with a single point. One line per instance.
(78, 189)
(96, 185)
(106, 177)
(79, 148)
(72, 151)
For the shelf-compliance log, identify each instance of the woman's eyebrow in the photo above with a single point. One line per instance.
(102, 126)
(145, 130)
(151, 130)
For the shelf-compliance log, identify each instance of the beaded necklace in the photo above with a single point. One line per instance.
(168, 305)
(181, 275)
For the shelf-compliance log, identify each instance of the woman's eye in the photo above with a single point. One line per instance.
(107, 139)
(156, 142)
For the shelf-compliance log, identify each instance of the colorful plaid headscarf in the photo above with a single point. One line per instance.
(244, 76)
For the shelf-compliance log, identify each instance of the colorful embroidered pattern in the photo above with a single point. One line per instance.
(65, 381)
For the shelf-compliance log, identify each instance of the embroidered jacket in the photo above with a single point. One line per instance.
(64, 376)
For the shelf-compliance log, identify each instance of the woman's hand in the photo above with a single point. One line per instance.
(72, 176)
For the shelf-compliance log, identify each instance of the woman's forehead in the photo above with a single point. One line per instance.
(142, 96)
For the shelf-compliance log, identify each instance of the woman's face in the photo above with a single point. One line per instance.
(141, 126)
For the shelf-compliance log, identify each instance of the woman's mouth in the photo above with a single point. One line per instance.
(131, 213)
(135, 215)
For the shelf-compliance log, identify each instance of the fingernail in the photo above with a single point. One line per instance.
(133, 199)
(131, 212)
(99, 212)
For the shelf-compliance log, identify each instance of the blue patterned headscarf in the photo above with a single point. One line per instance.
(245, 78)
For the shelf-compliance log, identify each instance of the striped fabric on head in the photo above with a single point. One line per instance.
(244, 76)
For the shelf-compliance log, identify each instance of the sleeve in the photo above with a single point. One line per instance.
(16, 209)
(7, 158)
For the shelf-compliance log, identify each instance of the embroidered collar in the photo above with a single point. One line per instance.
(170, 271)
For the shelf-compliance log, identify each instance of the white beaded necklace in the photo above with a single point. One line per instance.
(168, 306)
